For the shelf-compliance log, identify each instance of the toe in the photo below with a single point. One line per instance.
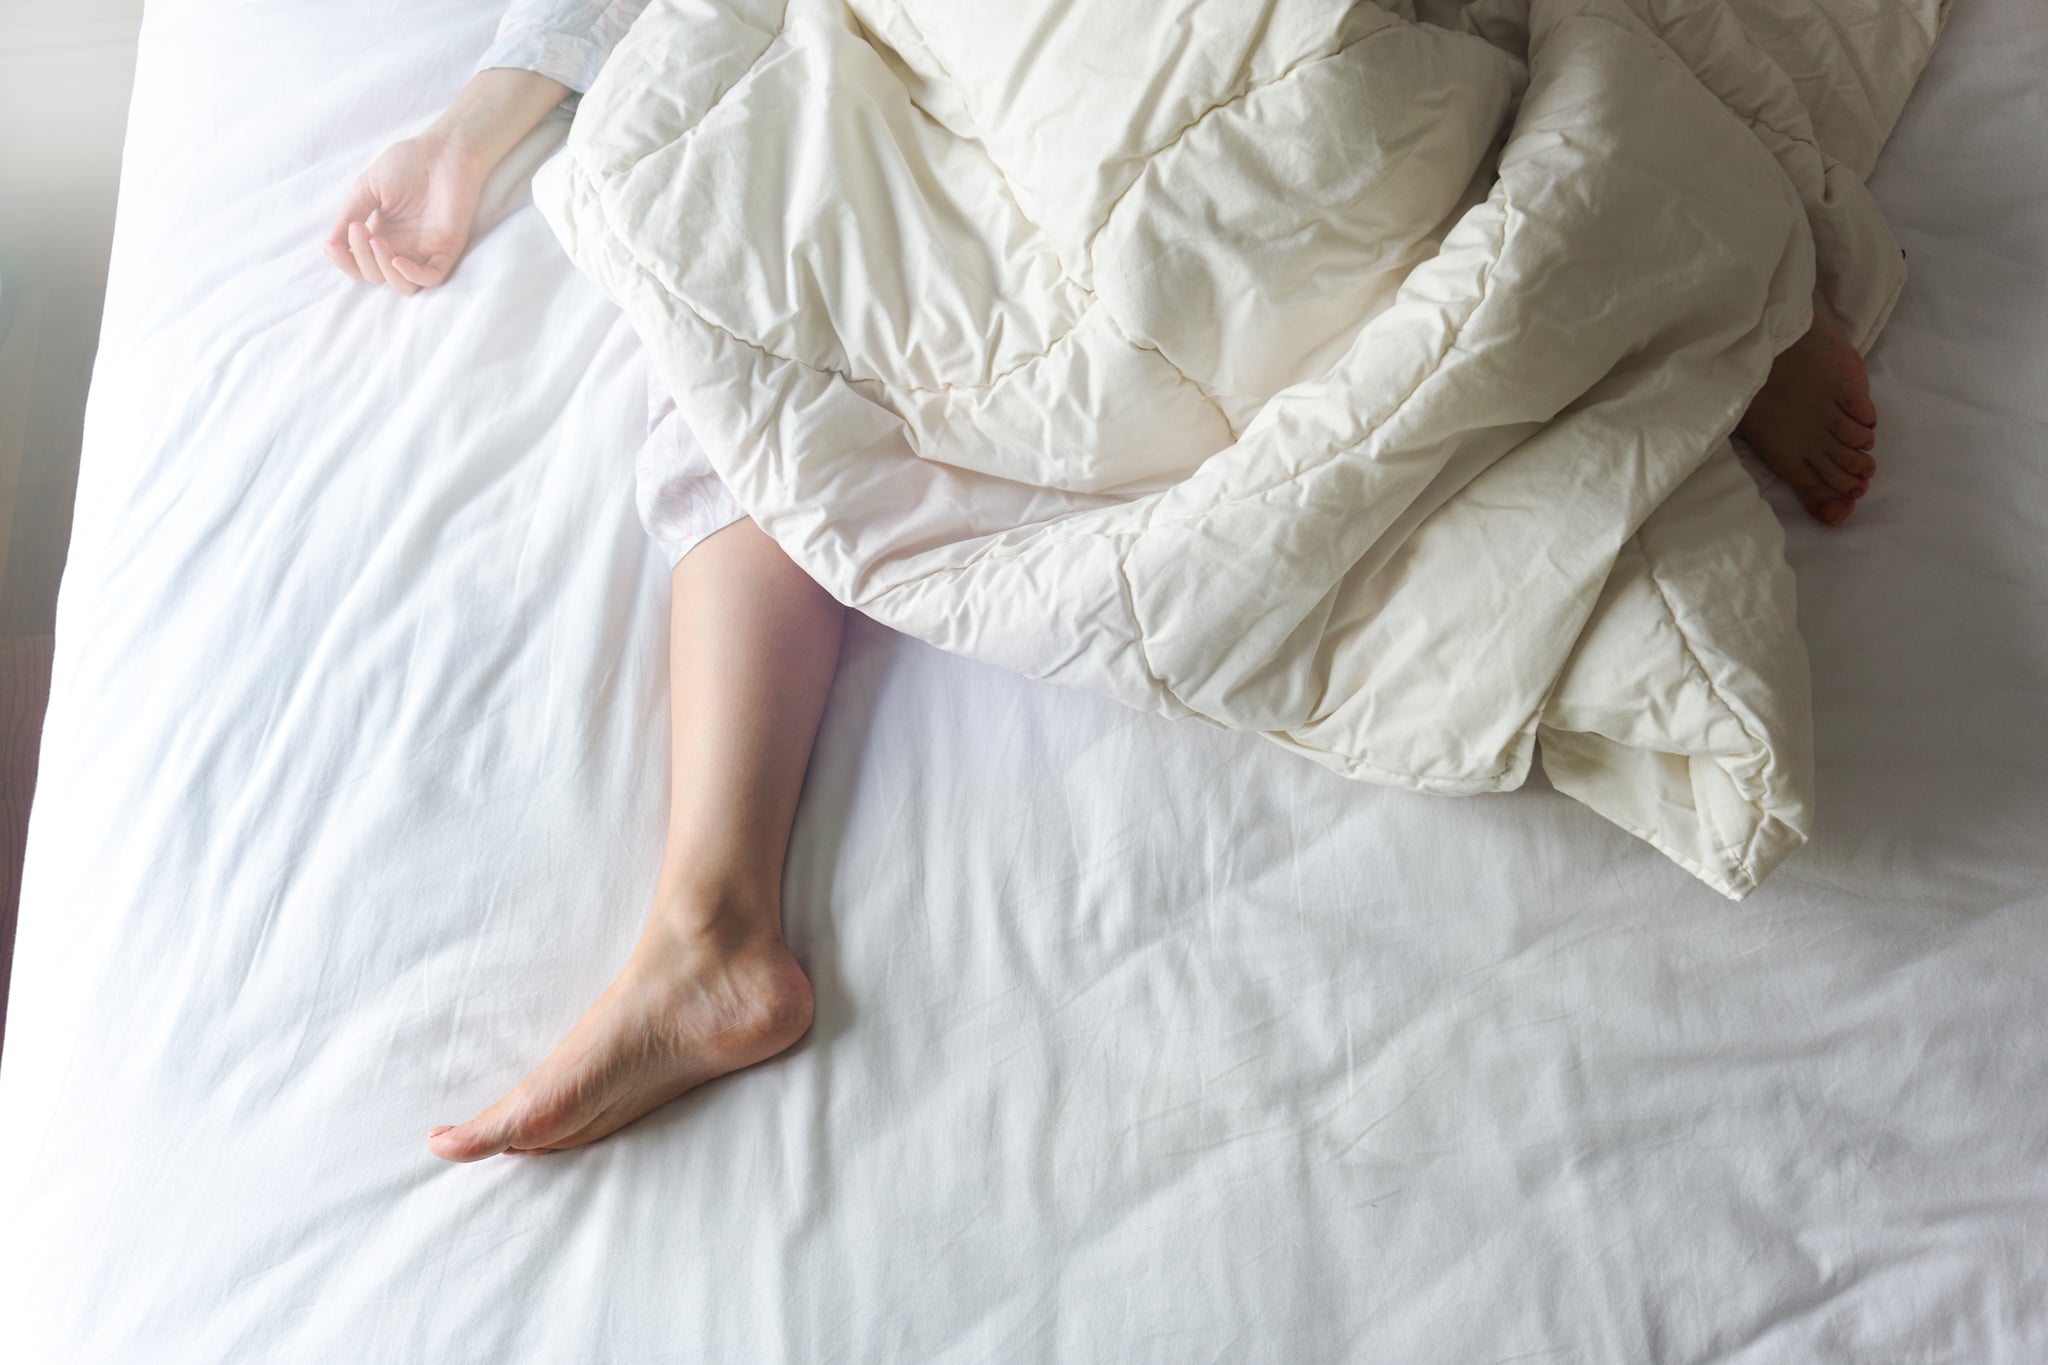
(1861, 463)
(1858, 405)
(483, 1136)
(1827, 508)
(1831, 471)
(513, 1122)
(1800, 475)
(604, 1125)
(1821, 502)
(1851, 432)
(462, 1144)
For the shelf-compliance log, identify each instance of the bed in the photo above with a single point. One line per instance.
(1136, 1040)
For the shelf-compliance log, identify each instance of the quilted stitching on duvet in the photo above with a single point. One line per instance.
(1294, 364)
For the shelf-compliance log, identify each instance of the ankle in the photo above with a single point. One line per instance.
(697, 911)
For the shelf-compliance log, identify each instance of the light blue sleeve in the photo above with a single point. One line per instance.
(564, 40)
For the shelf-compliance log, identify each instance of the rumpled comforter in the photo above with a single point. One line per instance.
(1358, 377)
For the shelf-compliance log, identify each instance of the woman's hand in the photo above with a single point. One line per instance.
(408, 217)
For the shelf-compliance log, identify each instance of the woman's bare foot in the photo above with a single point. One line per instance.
(702, 995)
(1813, 422)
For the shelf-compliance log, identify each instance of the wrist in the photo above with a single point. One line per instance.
(494, 111)
(459, 152)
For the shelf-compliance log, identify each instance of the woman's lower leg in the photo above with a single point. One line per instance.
(753, 647)
(710, 986)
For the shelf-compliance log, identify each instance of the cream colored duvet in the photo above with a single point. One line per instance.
(1303, 366)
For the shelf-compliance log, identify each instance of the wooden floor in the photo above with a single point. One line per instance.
(65, 70)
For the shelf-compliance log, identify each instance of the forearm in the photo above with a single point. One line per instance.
(495, 110)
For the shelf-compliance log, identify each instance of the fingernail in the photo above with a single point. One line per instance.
(442, 1129)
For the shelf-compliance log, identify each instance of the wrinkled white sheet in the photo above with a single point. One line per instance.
(1137, 1040)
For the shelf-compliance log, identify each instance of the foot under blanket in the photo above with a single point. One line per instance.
(1360, 378)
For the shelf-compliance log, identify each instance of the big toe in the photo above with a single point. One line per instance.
(1825, 506)
(512, 1122)
(473, 1141)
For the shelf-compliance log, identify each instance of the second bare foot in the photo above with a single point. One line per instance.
(1813, 422)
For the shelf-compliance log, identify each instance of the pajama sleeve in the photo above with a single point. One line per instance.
(681, 499)
(564, 40)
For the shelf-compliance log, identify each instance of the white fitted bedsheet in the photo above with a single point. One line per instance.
(1136, 1040)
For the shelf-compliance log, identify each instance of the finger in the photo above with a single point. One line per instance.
(426, 274)
(343, 261)
(381, 249)
(380, 252)
(359, 248)
(359, 205)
